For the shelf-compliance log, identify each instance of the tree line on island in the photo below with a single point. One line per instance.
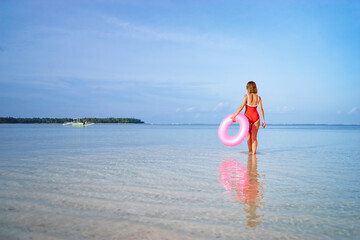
(64, 120)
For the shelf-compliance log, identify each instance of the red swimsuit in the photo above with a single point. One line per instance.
(251, 112)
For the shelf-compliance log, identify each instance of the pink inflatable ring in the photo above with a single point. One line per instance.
(240, 136)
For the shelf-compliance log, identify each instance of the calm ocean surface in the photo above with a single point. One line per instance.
(178, 182)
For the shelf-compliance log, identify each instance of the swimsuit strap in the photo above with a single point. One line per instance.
(248, 103)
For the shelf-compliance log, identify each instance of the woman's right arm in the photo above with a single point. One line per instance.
(239, 109)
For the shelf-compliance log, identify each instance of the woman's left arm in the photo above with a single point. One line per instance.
(262, 113)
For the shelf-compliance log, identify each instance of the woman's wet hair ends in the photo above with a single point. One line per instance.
(251, 87)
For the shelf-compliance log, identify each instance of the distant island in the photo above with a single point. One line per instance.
(64, 120)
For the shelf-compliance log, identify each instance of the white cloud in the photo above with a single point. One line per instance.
(190, 109)
(137, 31)
(354, 110)
(220, 105)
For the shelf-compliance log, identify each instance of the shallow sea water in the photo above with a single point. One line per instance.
(110, 181)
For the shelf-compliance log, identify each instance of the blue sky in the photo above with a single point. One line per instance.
(180, 61)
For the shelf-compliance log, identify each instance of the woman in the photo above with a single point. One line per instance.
(251, 100)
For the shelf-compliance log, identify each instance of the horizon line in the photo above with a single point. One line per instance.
(149, 123)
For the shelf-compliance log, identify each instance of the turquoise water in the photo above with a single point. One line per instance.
(178, 182)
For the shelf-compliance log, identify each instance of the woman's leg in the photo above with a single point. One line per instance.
(249, 142)
(254, 130)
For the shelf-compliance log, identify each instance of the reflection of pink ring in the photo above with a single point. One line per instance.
(240, 136)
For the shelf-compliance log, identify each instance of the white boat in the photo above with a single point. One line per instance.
(77, 123)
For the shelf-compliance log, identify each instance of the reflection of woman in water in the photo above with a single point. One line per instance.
(244, 185)
(253, 192)
(251, 100)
